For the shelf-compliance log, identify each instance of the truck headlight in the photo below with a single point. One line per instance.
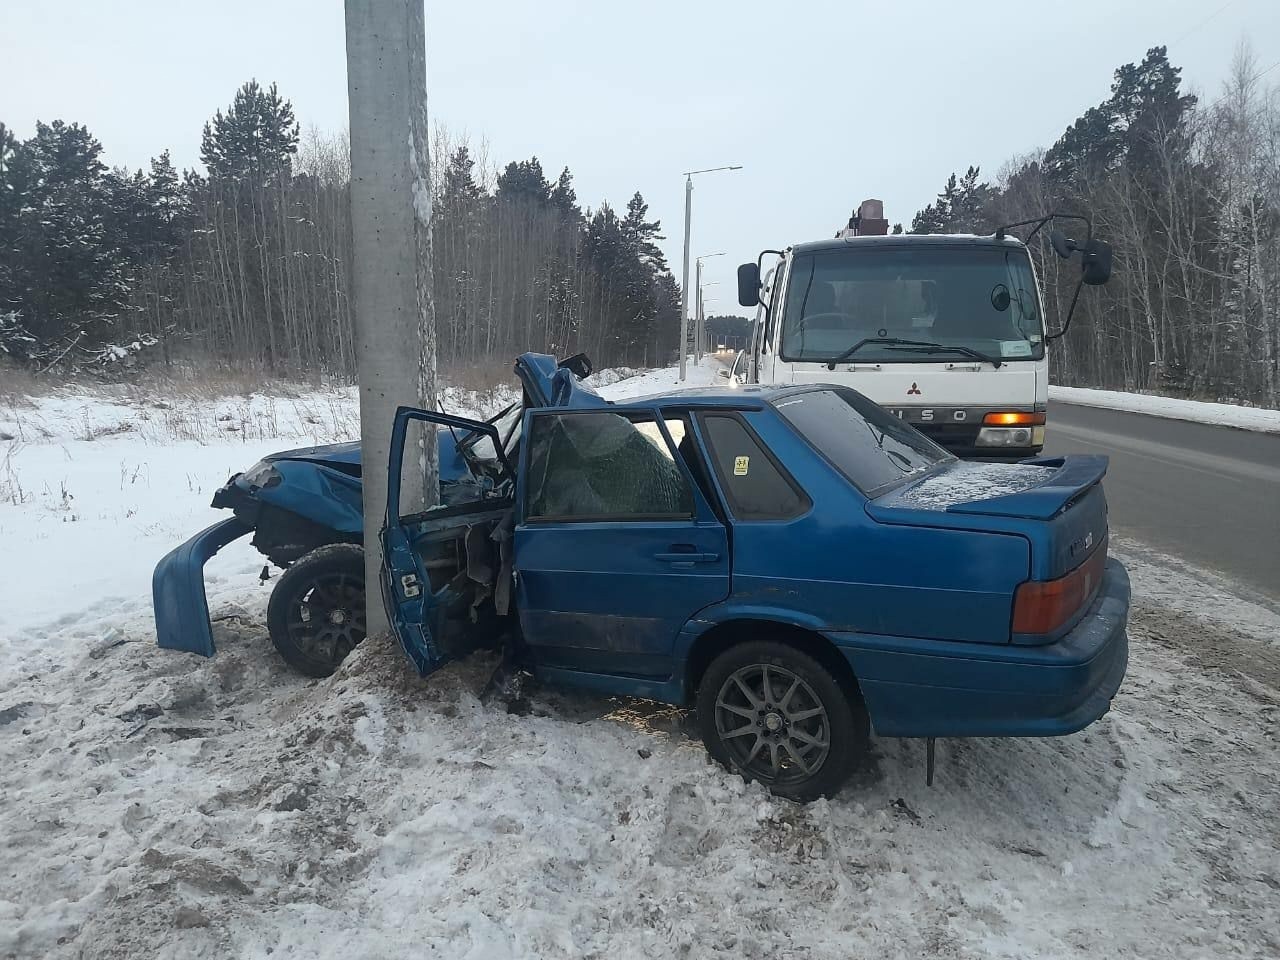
(1008, 436)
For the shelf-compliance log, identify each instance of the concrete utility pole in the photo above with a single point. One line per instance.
(395, 325)
(684, 274)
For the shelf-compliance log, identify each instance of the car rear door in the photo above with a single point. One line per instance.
(615, 546)
(443, 569)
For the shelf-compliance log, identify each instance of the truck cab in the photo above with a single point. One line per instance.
(946, 332)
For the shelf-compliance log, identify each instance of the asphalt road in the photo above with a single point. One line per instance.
(1208, 495)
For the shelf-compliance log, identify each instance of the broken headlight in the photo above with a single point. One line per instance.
(261, 475)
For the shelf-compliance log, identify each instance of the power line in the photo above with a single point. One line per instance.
(1189, 32)
(1252, 80)
(1202, 22)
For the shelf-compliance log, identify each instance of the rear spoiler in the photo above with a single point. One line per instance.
(1073, 478)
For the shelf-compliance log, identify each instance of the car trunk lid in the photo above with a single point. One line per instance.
(1057, 502)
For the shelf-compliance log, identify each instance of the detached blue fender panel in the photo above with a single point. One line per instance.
(177, 589)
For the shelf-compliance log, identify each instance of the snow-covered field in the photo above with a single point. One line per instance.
(1172, 408)
(157, 804)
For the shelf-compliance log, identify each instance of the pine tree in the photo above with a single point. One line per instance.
(564, 198)
(459, 178)
(640, 234)
(961, 207)
(523, 180)
(254, 140)
(66, 274)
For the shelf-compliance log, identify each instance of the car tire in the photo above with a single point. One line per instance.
(316, 614)
(801, 736)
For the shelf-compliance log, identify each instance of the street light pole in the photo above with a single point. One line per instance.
(697, 311)
(684, 273)
(699, 335)
(703, 301)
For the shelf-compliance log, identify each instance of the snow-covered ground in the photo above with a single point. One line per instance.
(159, 804)
(1172, 408)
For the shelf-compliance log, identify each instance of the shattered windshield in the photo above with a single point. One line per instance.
(479, 447)
(980, 298)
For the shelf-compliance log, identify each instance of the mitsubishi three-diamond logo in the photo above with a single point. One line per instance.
(914, 390)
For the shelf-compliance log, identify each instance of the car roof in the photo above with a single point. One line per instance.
(747, 397)
(910, 240)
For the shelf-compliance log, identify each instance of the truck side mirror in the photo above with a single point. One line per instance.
(1062, 246)
(1096, 258)
(749, 284)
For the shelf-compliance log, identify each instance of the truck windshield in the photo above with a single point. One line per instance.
(982, 298)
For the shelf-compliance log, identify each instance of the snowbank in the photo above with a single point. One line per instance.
(1171, 408)
(163, 805)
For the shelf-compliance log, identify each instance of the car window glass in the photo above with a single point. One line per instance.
(650, 431)
(754, 485)
(602, 465)
(507, 423)
(461, 479)
(773, 293)
(687, 448)
(676, 427)
(866, 444)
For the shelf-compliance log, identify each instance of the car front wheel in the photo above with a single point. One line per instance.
(316, 613)
(775, 714)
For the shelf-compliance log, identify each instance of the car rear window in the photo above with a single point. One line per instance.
(870, 447)
(754, 484)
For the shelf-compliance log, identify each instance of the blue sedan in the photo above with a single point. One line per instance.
(794, 562)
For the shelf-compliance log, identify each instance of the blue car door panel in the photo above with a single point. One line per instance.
(442, 567)
(616, 549)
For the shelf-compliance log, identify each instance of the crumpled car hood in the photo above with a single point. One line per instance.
(329, 453)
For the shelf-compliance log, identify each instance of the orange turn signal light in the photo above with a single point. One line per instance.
(1014, 419)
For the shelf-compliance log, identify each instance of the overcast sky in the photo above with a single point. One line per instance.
(824, 103)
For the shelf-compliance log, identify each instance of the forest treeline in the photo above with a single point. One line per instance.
(248, 264)
(1188, 192)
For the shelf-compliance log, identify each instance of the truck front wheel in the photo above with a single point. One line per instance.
(775, 714)
(316, 612)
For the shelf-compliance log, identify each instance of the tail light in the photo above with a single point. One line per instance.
(1042, 606)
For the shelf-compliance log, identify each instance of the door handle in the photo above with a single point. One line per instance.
(687, 559)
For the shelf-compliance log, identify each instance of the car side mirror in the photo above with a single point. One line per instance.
(749, 284)
(723, 373)
(579, 365)
(1096, 258)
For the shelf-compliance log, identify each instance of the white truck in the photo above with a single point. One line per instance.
(945, 331)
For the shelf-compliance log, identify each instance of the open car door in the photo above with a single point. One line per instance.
(446, 572)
